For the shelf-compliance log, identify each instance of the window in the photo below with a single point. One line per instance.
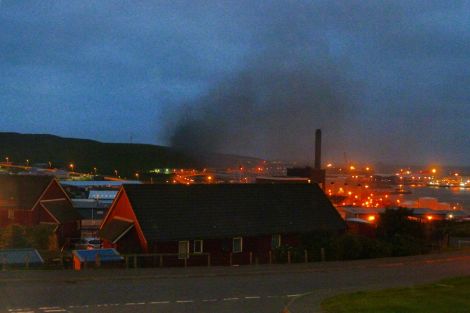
(183, 249)
(11, 214)
(237, 245)
(275, 241)
(198, 246)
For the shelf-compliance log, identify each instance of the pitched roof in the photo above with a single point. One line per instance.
(21, 256)
(115, 229)
(62, 210)
(22, 191)
(174, 212)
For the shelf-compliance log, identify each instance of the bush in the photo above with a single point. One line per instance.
(397, 222)
(403, 245)
(13, 236)
(41, 237)
(353, 247)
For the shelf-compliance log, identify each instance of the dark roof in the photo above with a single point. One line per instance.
(62, 210)
(106, 255)
(20, 256)
(174, 212)
(22, 191)
(115, 229)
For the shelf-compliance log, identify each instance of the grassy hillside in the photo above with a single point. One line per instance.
(86, 154)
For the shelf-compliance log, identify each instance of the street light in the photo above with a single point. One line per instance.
(72, 166)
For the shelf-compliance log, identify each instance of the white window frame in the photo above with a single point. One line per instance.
(202, 246)
(279, 240)
(183, 255)
(11, 214)
(241, 244)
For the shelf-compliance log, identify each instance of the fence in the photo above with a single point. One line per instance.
(63, 261)
(209, 259)
(459, 242)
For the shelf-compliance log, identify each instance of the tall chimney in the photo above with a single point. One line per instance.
(318, 149)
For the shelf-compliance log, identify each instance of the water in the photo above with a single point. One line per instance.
(459, 196)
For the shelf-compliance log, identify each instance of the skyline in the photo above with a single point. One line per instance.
(385, 81)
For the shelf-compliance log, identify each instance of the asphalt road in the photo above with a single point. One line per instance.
(249, 289)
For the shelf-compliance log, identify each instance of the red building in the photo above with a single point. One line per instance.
(32, 200)
(237, 221)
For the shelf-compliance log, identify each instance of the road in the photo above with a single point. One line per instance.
(249, 289)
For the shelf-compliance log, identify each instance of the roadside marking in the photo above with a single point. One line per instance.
(184, 301)
(159, 302)
(78, 306)
(130, 303)
(252, 297)
(54, 310)
(210, 300)
(294, 296)
(231, 299)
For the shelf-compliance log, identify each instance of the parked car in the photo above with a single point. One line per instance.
(88, 244)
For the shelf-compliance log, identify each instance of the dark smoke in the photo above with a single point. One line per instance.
(272, 106)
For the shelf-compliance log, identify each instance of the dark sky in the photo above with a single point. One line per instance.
(385, 80)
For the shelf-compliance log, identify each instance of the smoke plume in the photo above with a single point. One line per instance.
(271, 106)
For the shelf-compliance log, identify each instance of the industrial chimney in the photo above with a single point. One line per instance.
(318, 149)
(316, 174)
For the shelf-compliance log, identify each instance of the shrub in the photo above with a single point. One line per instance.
(40, 237)
(352, 247)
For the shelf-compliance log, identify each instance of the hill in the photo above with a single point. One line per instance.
(106, 157)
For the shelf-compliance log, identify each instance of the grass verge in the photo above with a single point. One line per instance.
(446, 296)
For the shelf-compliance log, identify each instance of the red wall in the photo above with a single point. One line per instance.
(122, 208)
(38, 215)
(220, 250)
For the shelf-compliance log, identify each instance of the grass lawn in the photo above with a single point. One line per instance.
(445, 296)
